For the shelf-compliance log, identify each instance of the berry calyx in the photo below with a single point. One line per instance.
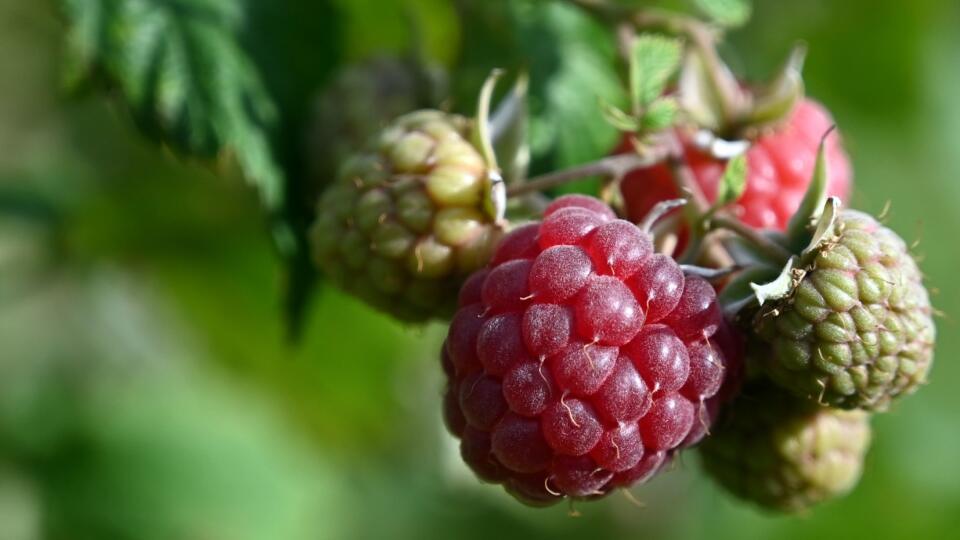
(406, 223)
(780, 164)
(586, 360)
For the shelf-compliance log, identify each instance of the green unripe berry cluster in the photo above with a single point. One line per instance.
(404, 223)
(786, 453)
(857, 331)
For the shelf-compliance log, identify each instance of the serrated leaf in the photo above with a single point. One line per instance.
(733, 182)
(653, 60)
(180, 69)
(660, 114)
(572, 64)
(618, 118)
(730, 13)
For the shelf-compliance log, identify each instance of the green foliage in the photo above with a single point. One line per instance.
(183, 75)
(661, 114)
(572, 66)
(572, 63)
(726, 12)
(733, 182)
(653, 60)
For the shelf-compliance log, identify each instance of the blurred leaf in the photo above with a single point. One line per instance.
(296, 46)
(509, 126)
(619, 118)
(726, 12)
(653, 59)
(180, 69)
(572, 63)
(660, 114)
(733, 181)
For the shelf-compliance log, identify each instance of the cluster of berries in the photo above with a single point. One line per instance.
(580, 360)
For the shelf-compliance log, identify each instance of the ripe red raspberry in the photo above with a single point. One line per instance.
(580, 361)
(779, 168)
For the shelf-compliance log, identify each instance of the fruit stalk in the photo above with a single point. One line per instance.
(612, 167)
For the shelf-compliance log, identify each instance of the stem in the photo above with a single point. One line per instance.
(769, 248)
(714, 253)
(658, 211)
(710, 274)
(684, 180)
(613, 167)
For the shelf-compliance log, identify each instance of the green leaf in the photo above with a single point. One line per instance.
(733, 181)
(181, 71)
(572, 62)
(660, 114)
(618, 118)
(729, 13)
(653, 59)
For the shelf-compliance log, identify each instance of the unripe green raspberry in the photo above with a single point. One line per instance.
(857, 329)
(404, 223)
(784, 453)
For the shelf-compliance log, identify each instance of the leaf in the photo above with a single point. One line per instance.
(572, 63)
(660, 114)
(730, 13)
(180, 69)
(618, 118)
(733, 181)
(653, 60)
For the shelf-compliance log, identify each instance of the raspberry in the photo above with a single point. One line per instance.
(784, 453)
(557, 362)
(404, 224)
(857, 330)
(780, 166)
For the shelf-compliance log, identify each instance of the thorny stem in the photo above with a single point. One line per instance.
(612, 167)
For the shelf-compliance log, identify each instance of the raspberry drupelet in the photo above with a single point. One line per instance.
(579, 360)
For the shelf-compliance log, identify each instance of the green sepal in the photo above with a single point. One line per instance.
(509, 128)
(781, 287)
(773, 103)
(813, 203)
(495, 191)
(712, 98)
(733, 182)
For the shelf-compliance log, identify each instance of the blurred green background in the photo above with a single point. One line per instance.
(147, 389)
